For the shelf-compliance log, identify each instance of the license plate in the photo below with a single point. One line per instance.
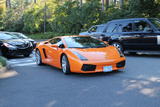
(107, 68)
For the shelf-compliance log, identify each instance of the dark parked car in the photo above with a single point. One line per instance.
(13, 44)
(133, 35)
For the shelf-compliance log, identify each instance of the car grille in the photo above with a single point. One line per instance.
(23, 46)
(121, 64)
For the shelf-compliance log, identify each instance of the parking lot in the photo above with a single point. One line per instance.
(46, 86)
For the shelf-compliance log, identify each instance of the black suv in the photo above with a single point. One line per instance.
(133, 35)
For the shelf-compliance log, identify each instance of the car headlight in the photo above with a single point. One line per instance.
(9, 46)
(120, 53)
(81, 57)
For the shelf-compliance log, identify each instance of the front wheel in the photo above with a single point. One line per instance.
(65, 65)
(118, 46)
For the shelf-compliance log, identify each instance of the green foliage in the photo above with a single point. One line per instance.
(71, 18)
(33, 19)
(46, 35)
(3, 61)
(68, 16)
(1, 17)
(144, 8)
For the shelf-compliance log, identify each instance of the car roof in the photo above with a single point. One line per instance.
(72, 36)
(119, 20)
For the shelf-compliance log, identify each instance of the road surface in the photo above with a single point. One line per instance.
(46, 86)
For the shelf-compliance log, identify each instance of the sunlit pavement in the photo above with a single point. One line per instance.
(45, 86)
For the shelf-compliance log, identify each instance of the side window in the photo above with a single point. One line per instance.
(111, 28)
(93, 29)
(100, 29)
(141, 26)
(55, 41)
(125, 27)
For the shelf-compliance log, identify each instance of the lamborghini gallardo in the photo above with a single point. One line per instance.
(79, 54)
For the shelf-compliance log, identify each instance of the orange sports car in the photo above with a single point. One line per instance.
(79, 54)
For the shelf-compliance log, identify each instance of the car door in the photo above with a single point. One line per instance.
(53, 53)
(111, 30)
(146, 39)
(126, 35)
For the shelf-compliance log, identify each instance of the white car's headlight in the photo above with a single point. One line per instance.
(9, 46)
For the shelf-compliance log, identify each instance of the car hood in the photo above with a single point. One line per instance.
(17, 41)
(94, 54)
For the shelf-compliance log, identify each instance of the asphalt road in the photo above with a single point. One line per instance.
(45, 86)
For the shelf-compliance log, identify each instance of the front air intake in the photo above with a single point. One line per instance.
(87, 67)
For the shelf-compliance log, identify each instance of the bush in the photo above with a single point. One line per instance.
(46, 35)
(3, 62)
(71, 17)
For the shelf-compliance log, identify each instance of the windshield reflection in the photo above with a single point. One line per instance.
(84, 42)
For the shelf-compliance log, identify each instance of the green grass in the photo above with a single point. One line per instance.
(46, 35)
(3, 61)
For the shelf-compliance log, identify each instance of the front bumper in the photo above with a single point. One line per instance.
(16, 52)
(98, 66)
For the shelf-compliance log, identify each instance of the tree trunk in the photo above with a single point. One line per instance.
(102, 5)
(107, 3)
(8, 3)
(121, 3)
(81, 2)
(45, 17)
(35, 1)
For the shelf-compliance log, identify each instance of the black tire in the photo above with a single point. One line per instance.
(65, 65)
(26, 55)
(118, 46)
(38, 57)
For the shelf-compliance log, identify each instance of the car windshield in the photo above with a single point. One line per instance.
(7, 36)
(84, 42)
(156, 23)
(20, 35)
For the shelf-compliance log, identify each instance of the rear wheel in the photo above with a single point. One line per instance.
(38, 57)
(65, 65)
(118, 46)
